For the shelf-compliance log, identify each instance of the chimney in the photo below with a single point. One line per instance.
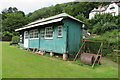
(99, 6)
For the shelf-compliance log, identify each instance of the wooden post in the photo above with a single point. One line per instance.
(65, 57)
(79, 51)
(28, 49)
(97, 54)
(42, 53)
(33, 49)
(51, 54)
(39, 52)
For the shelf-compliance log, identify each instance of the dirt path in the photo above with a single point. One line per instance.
(109, 61)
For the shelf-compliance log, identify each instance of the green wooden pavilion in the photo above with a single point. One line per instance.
(61, 34)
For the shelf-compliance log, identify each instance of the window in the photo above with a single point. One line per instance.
(113, 13)
(48, 32)
(60, 31)
(42, 33)
(31, 34)
(26, 35)
(112, 8)
(20, 38)
(34, 33)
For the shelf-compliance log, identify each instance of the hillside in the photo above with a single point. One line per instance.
(73, 8)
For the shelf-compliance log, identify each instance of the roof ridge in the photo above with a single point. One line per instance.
(52, 17)
(62, 15)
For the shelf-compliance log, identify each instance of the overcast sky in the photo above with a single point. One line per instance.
(29, 5)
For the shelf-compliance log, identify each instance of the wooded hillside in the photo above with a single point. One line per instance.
(75, 9)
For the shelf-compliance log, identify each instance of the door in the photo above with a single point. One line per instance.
(26, 39)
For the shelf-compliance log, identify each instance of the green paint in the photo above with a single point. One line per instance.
(68, 43)
(57, 44)
(74, 33)
(33, 43)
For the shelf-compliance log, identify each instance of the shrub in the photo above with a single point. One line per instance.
(6, 38)
(111, 42)
(7, 33)
(108, 26)
(15, 39)
(114, 57)
(111, 38)
(106, 49)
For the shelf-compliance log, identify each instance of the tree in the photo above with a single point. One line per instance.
(102, 23)
(72, 8)
(81, 17)
(117, 20)
(108, 26)
(12, 19)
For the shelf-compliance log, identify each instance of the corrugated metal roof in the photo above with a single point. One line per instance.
(52, 19)
(39, 24)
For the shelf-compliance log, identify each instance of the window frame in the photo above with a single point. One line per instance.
(113, 13)
(26, 35)
(61, 31)
(52, 33)
(112, 8)
(21, 40)
(43, 35)
(33, 33)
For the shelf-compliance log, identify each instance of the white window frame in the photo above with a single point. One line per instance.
(30, 34)
(52, 33)
(21, 38)
(61, 31)
(34, 34)
(26, 35)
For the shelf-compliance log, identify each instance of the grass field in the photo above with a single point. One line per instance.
(0, 60)
(19, 63)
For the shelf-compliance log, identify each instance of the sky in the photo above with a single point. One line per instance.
(29, 5)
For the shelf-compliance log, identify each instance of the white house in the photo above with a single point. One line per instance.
(113, 8)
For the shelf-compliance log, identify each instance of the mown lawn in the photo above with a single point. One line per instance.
(0, 60)
(19, 63)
